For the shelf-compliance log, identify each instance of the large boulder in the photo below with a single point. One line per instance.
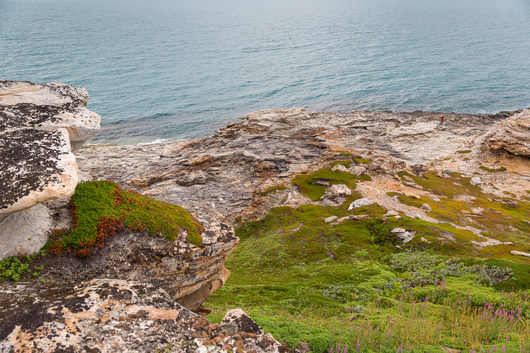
(512, 135)
(117, 315)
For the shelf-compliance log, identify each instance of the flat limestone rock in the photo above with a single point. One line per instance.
(47, 107)
(35, 166)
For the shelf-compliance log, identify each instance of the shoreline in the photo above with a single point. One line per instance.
(159, 140)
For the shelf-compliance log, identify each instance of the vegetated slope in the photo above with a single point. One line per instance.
(351, 281)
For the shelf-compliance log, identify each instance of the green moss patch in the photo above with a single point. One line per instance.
(100, 208)
(493, 170)
(308, 183)
(345, 163)
(273, 188)
(362, 160)
(464, 151)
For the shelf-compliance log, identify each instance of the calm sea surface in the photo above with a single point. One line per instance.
(171, 69)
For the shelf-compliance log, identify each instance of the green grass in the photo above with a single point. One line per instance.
(102, 207)
(492, 170)
(464, 151)
(273, 188)
(305, 280)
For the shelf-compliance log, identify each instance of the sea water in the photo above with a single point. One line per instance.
(172, 69)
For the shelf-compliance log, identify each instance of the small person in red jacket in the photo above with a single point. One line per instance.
(442, 118)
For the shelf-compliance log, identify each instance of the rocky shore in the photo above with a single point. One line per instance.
(139, 292)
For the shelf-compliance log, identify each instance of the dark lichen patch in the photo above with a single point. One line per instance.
(101, 208)
(29, 160)
(39, 314)
(493, 170)
(25, 115)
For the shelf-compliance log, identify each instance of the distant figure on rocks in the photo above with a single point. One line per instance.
(442, 118)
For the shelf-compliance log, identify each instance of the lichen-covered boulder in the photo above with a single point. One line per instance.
(111, 316)
(40, 125)
(512, 135)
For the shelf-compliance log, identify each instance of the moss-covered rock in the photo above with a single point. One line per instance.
(100, 208)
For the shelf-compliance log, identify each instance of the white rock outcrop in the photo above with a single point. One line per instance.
(360, 203)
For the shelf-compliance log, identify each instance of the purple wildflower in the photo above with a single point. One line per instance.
(503, 348)
(388, 333)
(399, 350)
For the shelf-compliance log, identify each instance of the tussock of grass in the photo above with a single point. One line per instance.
(100, 208)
